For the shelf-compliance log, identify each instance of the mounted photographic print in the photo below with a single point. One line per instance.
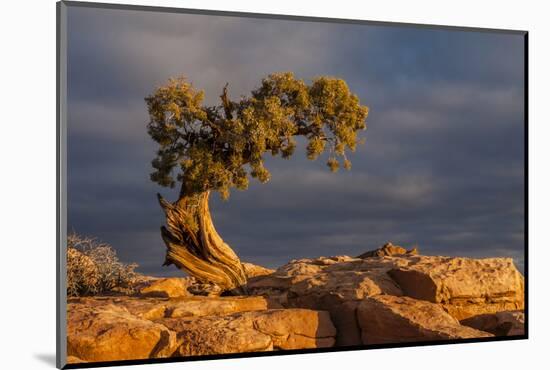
(234, 184)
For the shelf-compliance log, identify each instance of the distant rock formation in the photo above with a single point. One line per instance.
(388, 249)
(395, 297)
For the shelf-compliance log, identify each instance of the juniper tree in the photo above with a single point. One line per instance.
(216, 148)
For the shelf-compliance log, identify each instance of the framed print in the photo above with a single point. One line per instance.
(235, 184)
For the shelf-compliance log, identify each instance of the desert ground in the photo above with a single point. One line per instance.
(389, 295)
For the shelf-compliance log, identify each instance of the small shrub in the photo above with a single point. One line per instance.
(82, 273)
(93, 268)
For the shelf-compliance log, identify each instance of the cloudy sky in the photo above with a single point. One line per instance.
(442, 166)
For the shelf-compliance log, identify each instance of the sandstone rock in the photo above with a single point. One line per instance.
(465, 287)
(347, 285)
(252, 331)
(144, 308)
(413, 251)
(252, 270)
(111, 333)
(389, 319)
(157, 308)
(343, 277)
(379, 299)
(143, 279)
(500, 324)
(208, 306)
(74, 360)
(388, 249)
(296, 328)
(335, 284)
(462, 310)
(205, 289)
(121, 328)
(167, 287)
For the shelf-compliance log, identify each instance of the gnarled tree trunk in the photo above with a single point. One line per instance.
(195, 247)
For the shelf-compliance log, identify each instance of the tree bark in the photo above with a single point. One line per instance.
(194, 245)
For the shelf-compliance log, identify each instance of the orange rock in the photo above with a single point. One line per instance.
(252, 331)
(74, 360)
(465, 287)
(387, 249)
(167, 287)
(500, 323)
(110, 333)
(209, 306)
(252, 270)
(388, 319)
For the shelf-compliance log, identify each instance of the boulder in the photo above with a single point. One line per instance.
(252, 270)
(504, 323)
(389, 319)
(296, 328)
(172, 287)
(111, 333)
(465, 287)
(252, 331)
(343, 277)
(122, 328)
(388, 249)
(334, 284)
(307, 303)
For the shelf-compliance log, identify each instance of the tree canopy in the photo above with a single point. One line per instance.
(218, 147)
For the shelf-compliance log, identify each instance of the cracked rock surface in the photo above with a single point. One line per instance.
(390, 295)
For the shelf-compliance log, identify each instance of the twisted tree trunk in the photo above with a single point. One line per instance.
(194, 245)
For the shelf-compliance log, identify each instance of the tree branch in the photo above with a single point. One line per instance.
(227, 104)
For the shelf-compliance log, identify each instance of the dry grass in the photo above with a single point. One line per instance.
(94, 268)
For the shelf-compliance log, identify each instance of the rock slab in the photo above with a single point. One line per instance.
(388, 249)
(111, 333)
(123, 328)
(503, 323)
(465, 287)
(462, 287)
(388, 319)
(167, 287)
(252, 332)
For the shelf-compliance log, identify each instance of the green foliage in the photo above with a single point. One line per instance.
(217, 148)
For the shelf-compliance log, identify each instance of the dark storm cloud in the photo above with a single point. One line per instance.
(442, 166)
